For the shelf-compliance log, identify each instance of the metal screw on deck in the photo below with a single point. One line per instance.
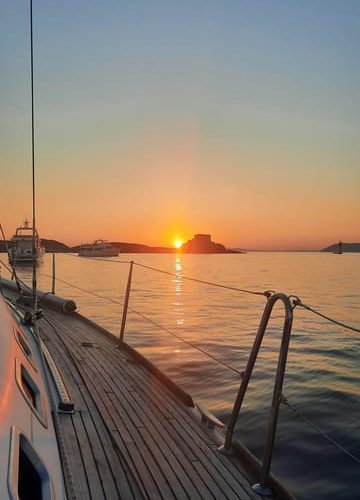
(53, 275)
(126, 304)
(262, 487)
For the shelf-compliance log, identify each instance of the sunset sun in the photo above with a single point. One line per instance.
(178, 243)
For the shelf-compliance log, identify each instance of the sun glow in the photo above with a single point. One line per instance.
(178, 243)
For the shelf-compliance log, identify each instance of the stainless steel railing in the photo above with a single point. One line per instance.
(262, 487)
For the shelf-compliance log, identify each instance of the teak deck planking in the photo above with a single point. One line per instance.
(130, 437)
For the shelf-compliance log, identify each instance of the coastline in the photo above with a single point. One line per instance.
(54, 246)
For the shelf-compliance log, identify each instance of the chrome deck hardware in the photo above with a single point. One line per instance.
(274, 411)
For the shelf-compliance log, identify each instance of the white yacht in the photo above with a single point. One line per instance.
(20, 249)
(100, 248)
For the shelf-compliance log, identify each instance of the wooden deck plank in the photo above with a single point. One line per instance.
(73, 453)
(112, 475)
(127, 420)
(161, 450)
(150, 421)
(118, 470)
(93, 479)
(210, 460)
(125, 442)
(145, 418)
(149, 382)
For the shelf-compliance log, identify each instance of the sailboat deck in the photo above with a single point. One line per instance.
(130, 437)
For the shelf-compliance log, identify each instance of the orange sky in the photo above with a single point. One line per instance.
(159, 126)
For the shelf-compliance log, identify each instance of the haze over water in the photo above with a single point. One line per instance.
(322, 379)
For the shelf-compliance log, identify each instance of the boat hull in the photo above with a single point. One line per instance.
(98, 253)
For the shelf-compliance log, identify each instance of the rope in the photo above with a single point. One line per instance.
(297, 302)
(285, 401)
(266, 293)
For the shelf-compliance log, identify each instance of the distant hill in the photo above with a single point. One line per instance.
(132, 248)
(346, 247)
(53, 246)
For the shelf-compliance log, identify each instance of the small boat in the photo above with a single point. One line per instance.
(100, 248)
(21, 245)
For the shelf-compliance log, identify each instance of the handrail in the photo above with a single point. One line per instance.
(274, 411)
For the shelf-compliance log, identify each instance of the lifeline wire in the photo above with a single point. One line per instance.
(298, 302)
(152, 322)
(186, 341)
(285, 401)
(266, 294)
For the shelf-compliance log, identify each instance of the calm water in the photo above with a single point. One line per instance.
(322, 379)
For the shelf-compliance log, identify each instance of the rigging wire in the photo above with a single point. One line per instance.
(33, 157)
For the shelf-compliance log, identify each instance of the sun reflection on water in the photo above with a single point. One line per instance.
(177, 303)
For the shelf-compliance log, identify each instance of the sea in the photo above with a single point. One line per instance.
(201, 335)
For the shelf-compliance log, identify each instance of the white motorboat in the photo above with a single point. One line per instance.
(100, 248)
(21, 245)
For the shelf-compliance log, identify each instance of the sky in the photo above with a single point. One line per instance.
(158, 120)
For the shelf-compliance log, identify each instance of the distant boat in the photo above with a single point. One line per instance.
(21, 245)
(339, 249)
(100, 248)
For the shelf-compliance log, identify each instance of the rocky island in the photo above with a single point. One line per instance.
(201, 243)
(345, 247)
